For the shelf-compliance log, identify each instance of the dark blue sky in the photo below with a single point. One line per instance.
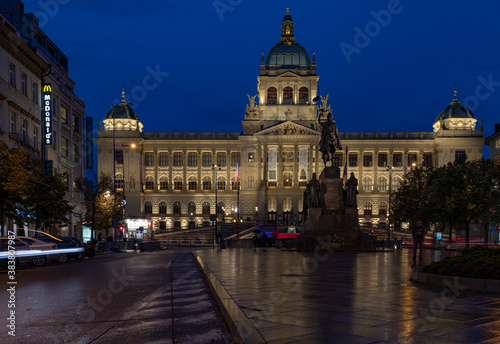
(398, 78)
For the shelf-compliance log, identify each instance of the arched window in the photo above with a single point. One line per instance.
(177, 208)
(287, 180)
(382, 183)
(192, 208)
(367, 184)
(382, 209)
(396, 183)
(148, 208)
(221, 183)
(192, 183)
(368, 208)
(287, 204)
(303, 95)
(272, 96)
(149, 183)
(163, 207)
(178, 183)
(288, 95)
(207, 183)
(235, 183)
(163, 183)
(272, 204)
(205, 208)
(119, 181)
(220, 208)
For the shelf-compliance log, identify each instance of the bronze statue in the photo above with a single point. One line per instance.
(330, 140)
(351, 191)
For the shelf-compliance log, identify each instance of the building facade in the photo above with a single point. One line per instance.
(29, 60)
(179, 179)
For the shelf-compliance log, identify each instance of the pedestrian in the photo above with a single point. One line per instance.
(110, 242)
(418, 234)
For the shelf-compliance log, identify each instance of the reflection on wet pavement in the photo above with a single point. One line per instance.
(347, 297)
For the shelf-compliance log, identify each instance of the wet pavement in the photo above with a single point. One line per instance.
(277, 296)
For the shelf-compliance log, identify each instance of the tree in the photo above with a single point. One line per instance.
(410, 202)
(98, 201)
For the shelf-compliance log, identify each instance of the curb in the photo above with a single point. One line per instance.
(240, 328)
(461, 283)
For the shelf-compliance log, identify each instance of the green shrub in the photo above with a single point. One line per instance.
(473, 262)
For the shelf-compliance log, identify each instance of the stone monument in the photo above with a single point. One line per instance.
(331, 212)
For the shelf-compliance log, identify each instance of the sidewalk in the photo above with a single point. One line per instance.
(273, 296)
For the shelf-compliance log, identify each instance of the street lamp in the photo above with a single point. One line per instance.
(389, 169)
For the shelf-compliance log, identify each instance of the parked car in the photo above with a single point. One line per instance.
(27, 250)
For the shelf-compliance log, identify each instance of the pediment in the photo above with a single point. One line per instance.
(288, 74)
(288, 128)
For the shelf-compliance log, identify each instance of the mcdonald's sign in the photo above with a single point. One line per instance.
(47, 114)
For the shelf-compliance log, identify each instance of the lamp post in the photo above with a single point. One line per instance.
(389, 169)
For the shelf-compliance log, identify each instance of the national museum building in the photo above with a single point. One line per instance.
(179, 179)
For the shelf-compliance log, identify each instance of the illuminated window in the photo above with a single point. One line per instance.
(149, 183)
(367, 184)
(272, 96)
(382, 159)
(272, 205)
(235, 159)
(382, 209)
(303, 95)
(178, 183)
(287, 96)
(221, 159)
(178, 159)
(367, 159)
(251, 182)
(192, 183)
(192, 208)
(396, 183)
(221, 183)
(192, 159)
(235, 183)
(148, 208)
(382, 184)
(64, 115)
(220, 208)
(205, 208)
(207, 159)
(337, 159)
(368, 208)
(119, 157)
(119, 181)
(353, 159)
(287, 204)
(397, 159)
(149, 159)
(177, 208)
(163, 159)
(207, 183)
(412, 159)
(251, 157)
(163, 183)
(163, 207)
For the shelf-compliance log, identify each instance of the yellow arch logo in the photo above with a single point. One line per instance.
(47, 88)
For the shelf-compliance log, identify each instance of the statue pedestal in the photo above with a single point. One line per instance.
(334, 226)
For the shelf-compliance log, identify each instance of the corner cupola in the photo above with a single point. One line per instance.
(455, 117)
(123, 117)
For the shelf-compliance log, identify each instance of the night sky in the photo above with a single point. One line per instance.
(398, 74)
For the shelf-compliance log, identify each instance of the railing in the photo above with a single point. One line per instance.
(186, 242)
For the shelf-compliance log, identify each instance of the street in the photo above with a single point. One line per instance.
(150, 297)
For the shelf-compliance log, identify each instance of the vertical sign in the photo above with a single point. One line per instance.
(89, 148)
(47, 114)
